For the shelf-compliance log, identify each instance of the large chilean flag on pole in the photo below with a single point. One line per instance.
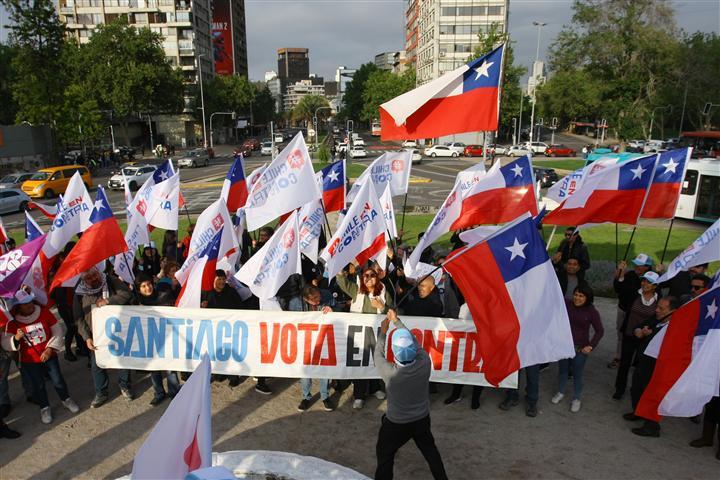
(501, 195)
(333, 186)
(610, 192)
(665, 187)
(464, 100)
(235, 189)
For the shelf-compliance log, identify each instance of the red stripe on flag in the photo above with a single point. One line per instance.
(661, 200)
(208, 275)
(473, 111)
(377, 245)
(673, 359)
(477, 275)
(615, 206)
(192, 456)
(237, 196)
(334, 200)
(498, 205)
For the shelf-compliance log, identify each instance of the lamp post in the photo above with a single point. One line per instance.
(514, 122)
(315, 124)
(539, 26)
(211, 117)
(202, 99)
(652, 118)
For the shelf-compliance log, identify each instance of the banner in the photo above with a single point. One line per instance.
(275, 344)
(222, 37)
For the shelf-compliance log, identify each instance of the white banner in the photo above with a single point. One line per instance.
(390, 168)
(275, 344)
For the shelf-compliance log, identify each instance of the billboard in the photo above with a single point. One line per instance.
(222, 37)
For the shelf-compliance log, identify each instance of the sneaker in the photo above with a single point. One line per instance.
(630, 417)
(6, 432)
(70, 404)
(358, 404)
(304, 405)
(99, 400)
(328, 405)
(531, 411)
(380, 395)
(474, 403)
(45, 415)
(614, 363)
(127, 394)
(69, 356)
(262, 388)
(157, 400)
(575, 406)
(557, 398)
(646, 432)
(452, 399)
(507, 404)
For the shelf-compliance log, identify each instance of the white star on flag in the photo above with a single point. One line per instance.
(712, 310)
(482, 70)
(637, 172)
(333, 176)
(516, 249)
(517, 169)
(99, 205)
(670, 166)
(163, 175)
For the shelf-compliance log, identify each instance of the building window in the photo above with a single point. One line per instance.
(495, 10)
(463, 48)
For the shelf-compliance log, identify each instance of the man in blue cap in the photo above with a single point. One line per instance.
(408, 400)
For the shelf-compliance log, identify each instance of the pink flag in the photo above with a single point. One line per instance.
(15, 265)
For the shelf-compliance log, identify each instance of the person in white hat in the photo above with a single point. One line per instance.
(36, 334)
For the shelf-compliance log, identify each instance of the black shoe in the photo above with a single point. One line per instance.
(617, 395)
(304, 405)
(452, 399)
(646, 432)
(99, 400)
(631, 417)
(5, 410)
(6, 432)
(531, 410)
(328, 405)
(475, 403)
(234, 381)
(69, 356)
(157, 400)
(262, 388)
(507, 404)
(127, 394)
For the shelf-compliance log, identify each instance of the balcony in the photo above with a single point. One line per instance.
(67, 11)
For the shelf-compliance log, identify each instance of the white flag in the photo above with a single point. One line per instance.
(164, 204)
(255, 176)
(135, 235)
(126, 187)
(271, 266)
(390, 168)
(287, 183)
(73, 217)
(182, 439)
(360, 236)
(469, 177)
(703, 250)
(386, 204)
(310, 218)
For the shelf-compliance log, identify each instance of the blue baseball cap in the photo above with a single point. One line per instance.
(404, 347)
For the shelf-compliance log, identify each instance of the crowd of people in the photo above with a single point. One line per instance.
(34, 334)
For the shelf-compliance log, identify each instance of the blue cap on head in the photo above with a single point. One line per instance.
(404, 347)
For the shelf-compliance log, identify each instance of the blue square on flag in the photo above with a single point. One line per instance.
(518, 249)
(671, 166)
(484, 71)
(101, 210)
(635, 175)
(709, 312)
(517, 173)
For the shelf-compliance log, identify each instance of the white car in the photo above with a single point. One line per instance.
(194, 159)
(358, 151)
(498, 149)
(654, 146)
(440, 151)
(518, 151)
(409, 144)
(358, 142)
(13, 200)
(416, 157)
(458, 147)
(135, 175)
(536, 147)
(266, 148)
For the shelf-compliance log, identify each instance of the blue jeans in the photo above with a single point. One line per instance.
(578, 365)
(35, 373)
(100, 377)
(157, 383)
(532, 386)
(5, 363)
(306, 384)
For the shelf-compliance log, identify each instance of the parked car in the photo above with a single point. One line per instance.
(125, 152)
(48, 182)
(440, 151)
(245, 150)
(559, 151)
(546, 176)
(498, 149)
(13, 200)
(135, 175)
(473, 151)
(409, 144)
(518, 151)
(637, 146)
(458, 147)
(536, 147)
(416, 157)
(654, 146)
(358, 142)
(14, 180)
(266, 149)
(279, 138)
(252, 143)
(358, 151)
(194, 159)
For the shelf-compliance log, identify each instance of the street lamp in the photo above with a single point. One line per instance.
(315, 123)
(211, 117)
(202, 99)
(539, 26)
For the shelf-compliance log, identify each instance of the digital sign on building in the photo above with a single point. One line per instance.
(222, 37)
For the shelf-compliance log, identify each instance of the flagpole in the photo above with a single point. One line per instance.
(616, 244)
(667, 239)
(552, 234)
(327, 222)
(402, 225)
(187, 213)
(627, 250)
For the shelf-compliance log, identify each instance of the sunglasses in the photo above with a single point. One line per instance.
(696, 287)
(370, 275)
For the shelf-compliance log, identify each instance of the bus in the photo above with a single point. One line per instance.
(376, 130)
(705, 143)
(700, 193)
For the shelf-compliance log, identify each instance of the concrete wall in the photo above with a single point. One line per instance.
(25, 148)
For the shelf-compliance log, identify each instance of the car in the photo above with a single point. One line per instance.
(536, 147)
(440, 151)
(458, 147)
(654, 146)
(14, 180)
(358, 151)
(416, 157)
(252, 143)
(135, 175)
(518, 151)
(194, 158)
(125, 152)
(13, 200)
(48, 182)
(559, 151)
(498, 149)
(266, 149)
(409, 144)
(546, 176)
(637, 146)
(359, 142)
(279, 138)
(473, 151)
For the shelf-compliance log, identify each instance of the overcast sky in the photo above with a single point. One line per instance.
(351, 32)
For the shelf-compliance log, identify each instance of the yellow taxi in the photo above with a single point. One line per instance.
(49, 182)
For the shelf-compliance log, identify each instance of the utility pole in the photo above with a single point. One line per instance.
(534, 95)
(202, 99)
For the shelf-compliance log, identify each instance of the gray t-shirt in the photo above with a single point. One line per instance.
(408, 397)
(572, 283)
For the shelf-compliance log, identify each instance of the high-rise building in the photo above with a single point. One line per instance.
(343, 76)
(293, 66)
(385, 60)
(229, 37)
(273, 83)
(536, 78)
(448, 32)
(296, 91)
(412, 13)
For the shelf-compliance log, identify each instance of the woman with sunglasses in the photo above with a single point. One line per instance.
(368, 295)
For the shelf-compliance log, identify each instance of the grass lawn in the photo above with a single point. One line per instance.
(569, 164)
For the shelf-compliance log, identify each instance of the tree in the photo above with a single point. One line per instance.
(572, 95)
(382, 86)
(305, 110)
(263, 106)
(353, 96)
(7, 78)
(511, 92)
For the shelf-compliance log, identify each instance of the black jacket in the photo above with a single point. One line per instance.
(627, 290)
(577, 250)
(226, 298)
(430, 306)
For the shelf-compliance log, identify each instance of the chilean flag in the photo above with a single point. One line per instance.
(234, 189)
(515, 299)
(201, 275)
(32, 229)
(102, 240)
(333, 186)
(464, 100)
(610, 192)
(666, 183)
(687, 372)
(48, 210)
(501, 195)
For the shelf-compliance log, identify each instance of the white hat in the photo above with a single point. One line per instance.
(651, 277)
(643, 259)
(21, 297)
